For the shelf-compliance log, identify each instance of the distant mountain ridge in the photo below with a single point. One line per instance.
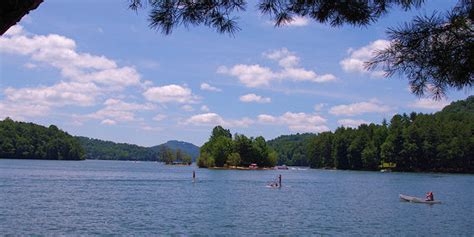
(186, 147)
(97, 149)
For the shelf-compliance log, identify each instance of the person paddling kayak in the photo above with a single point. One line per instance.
(429, 196)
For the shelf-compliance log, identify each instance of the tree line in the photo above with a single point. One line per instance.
(224, 150)
(96, 149)
(20, 140)
(441, 142)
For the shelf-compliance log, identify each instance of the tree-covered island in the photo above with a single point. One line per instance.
(223, 150)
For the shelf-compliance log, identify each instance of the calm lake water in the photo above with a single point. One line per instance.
(115, 197)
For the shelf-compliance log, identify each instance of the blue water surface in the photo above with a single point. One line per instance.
(147, 198)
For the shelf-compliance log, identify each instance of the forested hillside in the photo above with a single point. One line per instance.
(97, 149)
(106, 150)
(19, 140)
(292, 149)
(441, 142)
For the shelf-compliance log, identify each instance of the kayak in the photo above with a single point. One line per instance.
(417, 200)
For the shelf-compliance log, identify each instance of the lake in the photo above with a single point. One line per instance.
(147, 198)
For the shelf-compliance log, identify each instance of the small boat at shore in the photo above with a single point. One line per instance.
(417, 199)
(281, 167)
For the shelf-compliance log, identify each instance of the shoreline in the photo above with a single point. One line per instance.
(239, 168)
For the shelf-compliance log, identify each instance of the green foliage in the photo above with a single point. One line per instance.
(19, 140)
(106, 150)
(167, 155)
(415, 142)
(233, 159)
(222, 150)
(205, 160)
(433, 52)
(292, 149)
(167, 15)
(418, 142)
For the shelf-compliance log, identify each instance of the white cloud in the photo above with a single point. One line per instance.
(63, 93)
(250, 75)
(429, 104)
(372, 106)
(108, 122)
(145, 127)
(204, 108)
(258, 76)
(207, 87)
(22, 111)
(115, 104)
(170, 93)
(351, 122)
(319, 107)
(298, 21)
(14, 30)
(357, 58)
(187, 108)
(265, 118)
(118, 111)
(30, 65)
(159, 117)
(255, 98)
(60, 52)
(213, 119)
(87, 76)
(296, 122)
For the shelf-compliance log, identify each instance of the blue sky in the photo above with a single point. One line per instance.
(95, 69)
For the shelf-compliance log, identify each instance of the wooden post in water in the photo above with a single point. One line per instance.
(279, 180)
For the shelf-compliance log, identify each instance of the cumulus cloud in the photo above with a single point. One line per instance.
(255, 98)
(372, 106)
(356, 59)
(207, 87)
(171, 93)
(86, 77)
(213, 119)
(429, 104)
(63, 93)
(250, 75)
(60, 52)
(259, 76)
(118, 111)
(296, 122)
(351, 122)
